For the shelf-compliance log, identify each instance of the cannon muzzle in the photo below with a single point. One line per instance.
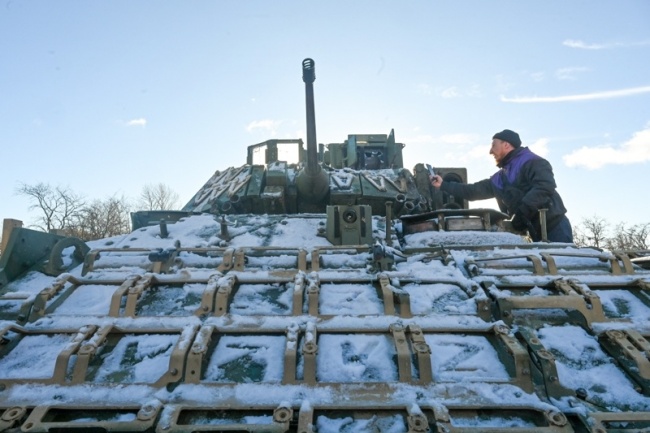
(312, 181)
(308, 71)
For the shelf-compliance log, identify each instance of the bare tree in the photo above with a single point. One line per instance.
(103, 218)
(63, 209)
(59, 206)
(579, 237)
(634, 237)
(157, 197)
(594, 230)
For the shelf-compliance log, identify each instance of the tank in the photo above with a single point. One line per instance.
(338, 293)
(284, 177)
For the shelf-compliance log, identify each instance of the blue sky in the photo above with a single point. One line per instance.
(105, 97)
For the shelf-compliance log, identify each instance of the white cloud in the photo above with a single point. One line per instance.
(472, 91)
(571, 43)
(137, 122)
(584, 97)
(635, 150)
(540, 147)
(451, 92)
(266, 124)
(568, 73)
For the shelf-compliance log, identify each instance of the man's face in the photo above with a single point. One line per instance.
(499, 149)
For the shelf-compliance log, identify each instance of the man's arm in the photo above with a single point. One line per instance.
(539, 175)
(469, 191)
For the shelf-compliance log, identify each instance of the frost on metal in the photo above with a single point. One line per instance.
(274, 329)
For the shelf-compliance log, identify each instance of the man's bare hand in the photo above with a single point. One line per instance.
(435, 180)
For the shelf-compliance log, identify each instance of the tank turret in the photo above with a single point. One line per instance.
(284, 177)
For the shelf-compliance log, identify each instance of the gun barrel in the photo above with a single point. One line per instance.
(309, 76)
(312, 181)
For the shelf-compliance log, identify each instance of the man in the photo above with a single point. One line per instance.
(523, 185)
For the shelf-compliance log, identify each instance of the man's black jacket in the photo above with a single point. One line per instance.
(523, 185)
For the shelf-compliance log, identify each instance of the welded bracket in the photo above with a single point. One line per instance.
(11, 417)
(228, 261)
(544, 361)
(403, 352)
(309, 352)
(299, 285)
(313, 292)
(116, 298)
(632, 351)
(291, 354)
(47, 294)
(44, 418)
(197, 353)
(110, 335)
(521, 360)
(225, 292)
(135, 292)
(571, 296)
(422, 353)
(207, 299)
(62, 359)
(548, 421)
(600, 422)
(393, 297)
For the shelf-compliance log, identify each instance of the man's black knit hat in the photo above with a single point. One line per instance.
(510, 136)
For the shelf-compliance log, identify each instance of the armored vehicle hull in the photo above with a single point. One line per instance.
(336, 294)
(269, 327)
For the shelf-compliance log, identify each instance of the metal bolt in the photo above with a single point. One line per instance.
(557, 418)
